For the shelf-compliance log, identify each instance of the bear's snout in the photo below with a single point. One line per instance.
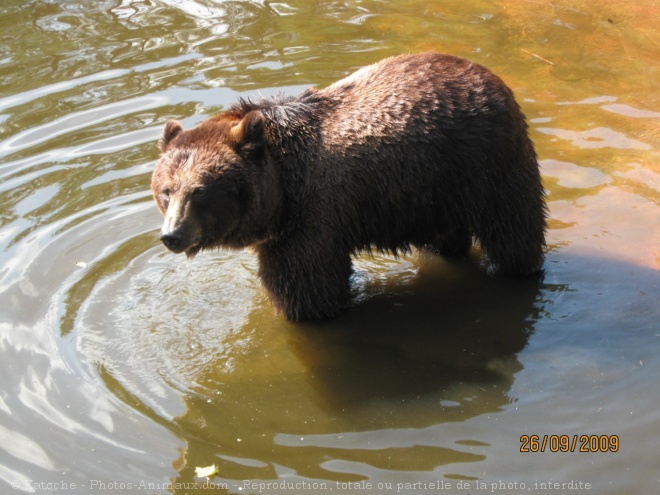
(181, 231)
(183, 237)
(181, 241)
(173, 241)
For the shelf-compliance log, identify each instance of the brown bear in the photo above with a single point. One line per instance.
(423, 150)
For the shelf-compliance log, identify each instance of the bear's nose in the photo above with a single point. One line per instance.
(172, 241)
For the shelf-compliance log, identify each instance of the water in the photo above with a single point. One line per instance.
(125, 367)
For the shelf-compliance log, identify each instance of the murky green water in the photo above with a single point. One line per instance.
(124, 367)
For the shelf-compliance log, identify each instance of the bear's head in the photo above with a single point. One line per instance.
(215, 184)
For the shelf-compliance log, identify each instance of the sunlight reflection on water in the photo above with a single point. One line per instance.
(122, 362)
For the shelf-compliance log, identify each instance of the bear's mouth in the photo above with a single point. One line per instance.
(192, 251)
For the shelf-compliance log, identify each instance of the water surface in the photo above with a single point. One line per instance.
(125, 367)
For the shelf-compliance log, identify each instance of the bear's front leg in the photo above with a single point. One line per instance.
(305, 280)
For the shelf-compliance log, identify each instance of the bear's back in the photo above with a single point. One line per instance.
(412, 96)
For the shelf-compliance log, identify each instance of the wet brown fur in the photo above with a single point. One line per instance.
(420, 150)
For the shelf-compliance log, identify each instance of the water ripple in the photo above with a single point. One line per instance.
(121, 361)
(597, 137)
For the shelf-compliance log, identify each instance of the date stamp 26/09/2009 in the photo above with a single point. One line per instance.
(569, 443)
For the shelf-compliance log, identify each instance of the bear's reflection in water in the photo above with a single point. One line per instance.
(450, 322)
(427, 345)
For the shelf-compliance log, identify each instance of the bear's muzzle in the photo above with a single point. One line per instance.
(181, 230)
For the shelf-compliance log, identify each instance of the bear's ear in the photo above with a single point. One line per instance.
(249, 131)
(170, 131)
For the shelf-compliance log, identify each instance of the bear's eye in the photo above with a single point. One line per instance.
(165, 196)
(199, 193)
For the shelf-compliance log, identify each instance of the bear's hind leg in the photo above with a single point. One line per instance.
(515, 246)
